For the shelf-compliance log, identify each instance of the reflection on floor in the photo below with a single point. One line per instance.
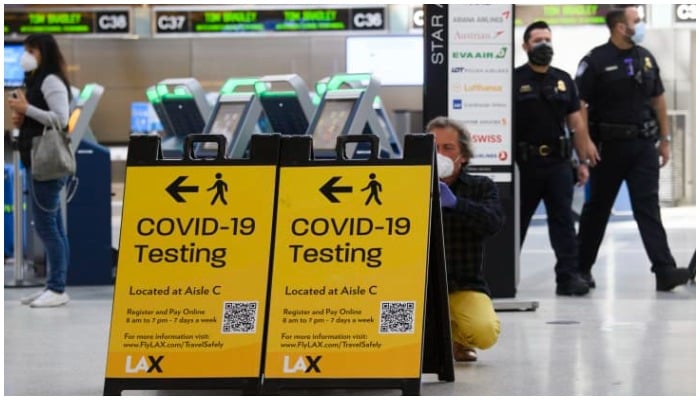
(622, 339)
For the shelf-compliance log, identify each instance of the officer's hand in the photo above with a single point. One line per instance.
(592, 154)
(664, 151)
(447, 198)
(582, 174)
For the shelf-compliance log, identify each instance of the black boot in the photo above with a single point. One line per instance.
(668, 279)
(691, 268)
(573, 286)
(588, 278)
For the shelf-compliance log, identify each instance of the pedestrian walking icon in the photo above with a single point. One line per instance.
(221, 187)
(374, 188)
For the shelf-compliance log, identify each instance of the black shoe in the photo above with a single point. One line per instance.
(588, 278)
(668, 279)
(691, 268)
(572, 287)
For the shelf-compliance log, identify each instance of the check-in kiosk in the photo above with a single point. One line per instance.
(387, 127)
(89, 197)
(289, 111)
(349, 107)
(74, 95)
(81, 114)
(237, 115)
(154, 99)
(185, 106)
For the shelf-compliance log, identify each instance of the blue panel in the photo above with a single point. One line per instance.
(9, 211)
(90, 218)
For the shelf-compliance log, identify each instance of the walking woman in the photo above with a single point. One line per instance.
(46, 98)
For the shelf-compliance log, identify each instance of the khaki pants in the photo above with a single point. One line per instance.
(474, 321)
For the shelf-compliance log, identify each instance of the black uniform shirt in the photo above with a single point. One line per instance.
(542, 102)
(618, 84)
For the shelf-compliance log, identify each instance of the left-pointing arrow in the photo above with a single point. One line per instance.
(174, 189)
(328, 189)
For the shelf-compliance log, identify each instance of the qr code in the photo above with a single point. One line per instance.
(397, 316)
(239, 317)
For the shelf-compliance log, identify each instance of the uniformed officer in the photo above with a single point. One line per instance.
(620, 84)
(546, 106)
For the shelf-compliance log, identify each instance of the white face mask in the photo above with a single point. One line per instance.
(639, 30)
(28, 62)
(445, 166)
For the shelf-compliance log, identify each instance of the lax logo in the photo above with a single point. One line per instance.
(153, 364)
(308, 365)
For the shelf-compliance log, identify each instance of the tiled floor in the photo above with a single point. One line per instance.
(622, 339)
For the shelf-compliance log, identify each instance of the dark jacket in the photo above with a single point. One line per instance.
(31, 127)
(478, 215)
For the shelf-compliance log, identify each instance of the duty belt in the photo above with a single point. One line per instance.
(606, 131)
(559, 149)
(543, 150)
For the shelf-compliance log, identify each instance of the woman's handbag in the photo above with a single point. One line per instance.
(51, 155)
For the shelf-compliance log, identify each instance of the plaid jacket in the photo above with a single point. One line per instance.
(478, 215)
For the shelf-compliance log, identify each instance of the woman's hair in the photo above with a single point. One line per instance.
(463, 135)
(52, 61)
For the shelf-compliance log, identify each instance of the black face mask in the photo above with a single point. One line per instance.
(541, 54)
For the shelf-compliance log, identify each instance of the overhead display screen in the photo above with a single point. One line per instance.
(566, 14)
(393, 60)
(14, 75)
(68, 22)
(268, 20)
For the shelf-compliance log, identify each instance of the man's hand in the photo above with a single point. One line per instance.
(447, 198)
(591, 153)
(582, 174)
(664, 151)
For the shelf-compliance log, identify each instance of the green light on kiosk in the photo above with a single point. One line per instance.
(321, 88)
(152, 95)
(260, 87)
(337, 80)
(181, 91)
(231, 84)
(161, 90)
(177, 96)
(87, 91)
(286, 93)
